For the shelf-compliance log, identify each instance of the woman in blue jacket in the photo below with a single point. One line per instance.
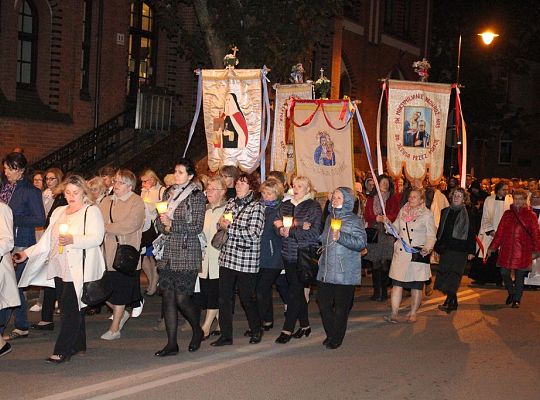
(26, 203)
(340, 266)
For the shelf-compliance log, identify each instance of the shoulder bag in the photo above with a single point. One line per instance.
(126, 258)
(307, 264)
(222, 235)
(94, 292)
(417, 257)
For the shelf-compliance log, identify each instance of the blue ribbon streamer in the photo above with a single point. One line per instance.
(197, 111)
(389, 226)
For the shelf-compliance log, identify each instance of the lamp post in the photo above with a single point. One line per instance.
(487, 38)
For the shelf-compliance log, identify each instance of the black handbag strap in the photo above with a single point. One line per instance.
(408, 234)
(110, 217)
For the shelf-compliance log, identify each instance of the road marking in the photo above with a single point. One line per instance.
(218, 361)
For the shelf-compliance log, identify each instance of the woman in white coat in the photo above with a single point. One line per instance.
(416, 227)
(9, 294)
(57, 260)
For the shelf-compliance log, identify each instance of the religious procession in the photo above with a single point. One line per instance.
(313, 226)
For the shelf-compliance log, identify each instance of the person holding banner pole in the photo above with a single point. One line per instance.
(410, 267)
(379, 244)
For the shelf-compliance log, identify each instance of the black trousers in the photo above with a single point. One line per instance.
(335, 303)
(266, 278)
(246, 284)
(49, 298)
(297, 308)
(514, 287)
(72, 337)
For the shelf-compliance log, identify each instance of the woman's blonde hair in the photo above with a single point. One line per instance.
(420, 191)
(149, 173)
(80, 182)
(273, 185)
(306, 182)
(97, 182)
(168, 180)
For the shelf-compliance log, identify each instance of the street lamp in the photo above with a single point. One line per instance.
(487, 38)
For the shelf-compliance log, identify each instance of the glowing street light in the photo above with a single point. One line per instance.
(488, 37)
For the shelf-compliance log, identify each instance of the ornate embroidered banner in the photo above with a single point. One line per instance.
(323, 142)
(416, 133)
(278, 160)
(232, 101)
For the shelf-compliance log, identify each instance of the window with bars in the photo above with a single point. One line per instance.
(399, 19)
(27, 44)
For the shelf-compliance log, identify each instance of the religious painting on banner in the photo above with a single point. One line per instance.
(232, 101)
(416, 134)
(323, 144)
(280, 138)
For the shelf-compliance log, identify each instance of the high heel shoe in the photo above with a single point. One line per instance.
(283, 338)
(167, 352)
(61, 358)
(302, 332)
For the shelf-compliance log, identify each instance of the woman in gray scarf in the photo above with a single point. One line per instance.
(456, 244)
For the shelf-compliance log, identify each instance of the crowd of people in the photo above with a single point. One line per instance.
(200, 240)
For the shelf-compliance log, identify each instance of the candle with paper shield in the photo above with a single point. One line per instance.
(228, 216)
(335, 224)
(161, 207)
(63, 229)
(287, 222)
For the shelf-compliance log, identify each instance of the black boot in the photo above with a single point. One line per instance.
(384, 285)
(376, 274)
(444, 306)
(453, 304)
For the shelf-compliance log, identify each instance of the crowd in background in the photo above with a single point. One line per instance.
(231, 234)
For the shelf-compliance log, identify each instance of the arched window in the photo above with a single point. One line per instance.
(27, 44)
(141, 47)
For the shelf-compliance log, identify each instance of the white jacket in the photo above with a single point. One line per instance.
(35, 272)
(491, 216)
(9, 294)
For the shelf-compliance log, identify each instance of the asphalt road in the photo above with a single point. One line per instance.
(484, 351)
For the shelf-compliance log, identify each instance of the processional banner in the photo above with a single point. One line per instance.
(232, 101)
(279, 158)
(416, 133)
(323, 143)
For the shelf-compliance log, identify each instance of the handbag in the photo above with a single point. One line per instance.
(417, 257)
(222, 235)
(126, 258)
(219, 238)
(307, 264)
(149, 235)
(98, 291)
(372, 235)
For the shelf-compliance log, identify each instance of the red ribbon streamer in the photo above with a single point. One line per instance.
(320, 104)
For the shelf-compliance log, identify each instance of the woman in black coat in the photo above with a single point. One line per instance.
(456, 244)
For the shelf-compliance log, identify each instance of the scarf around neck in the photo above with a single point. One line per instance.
(409, 214)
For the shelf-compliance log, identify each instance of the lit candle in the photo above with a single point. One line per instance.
(63, 229)
(162, 207)
(335, 224)
(228, 216)
(287, 222)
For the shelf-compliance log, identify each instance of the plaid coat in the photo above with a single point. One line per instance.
(183, 248)
(242, 250)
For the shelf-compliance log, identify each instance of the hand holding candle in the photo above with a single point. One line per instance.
(287, 222)
(335, 224)
(63, 229)
(161, 207)
(228, 216)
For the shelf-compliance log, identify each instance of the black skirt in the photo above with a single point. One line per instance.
(180, 281)
(450, 271)
(418, 285)
(126, 289)
(208, 297)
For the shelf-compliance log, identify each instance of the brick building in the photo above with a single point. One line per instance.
(69, 66)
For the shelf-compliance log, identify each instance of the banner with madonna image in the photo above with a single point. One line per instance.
(416, 132)
(323, 144)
